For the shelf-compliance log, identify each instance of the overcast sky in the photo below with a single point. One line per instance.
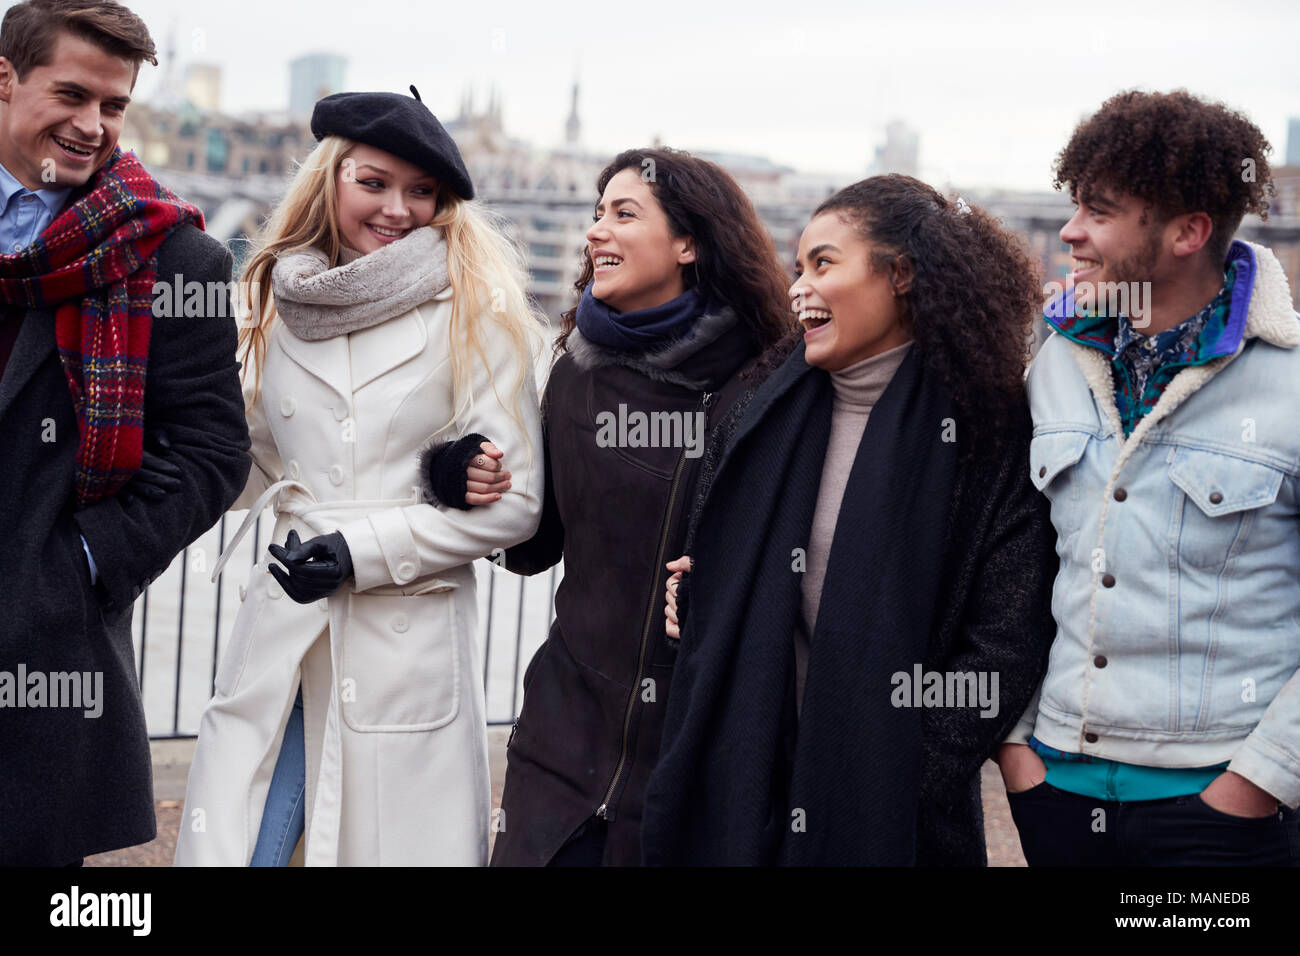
(993, 89)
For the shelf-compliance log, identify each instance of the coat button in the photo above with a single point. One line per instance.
(336, 474)
(1120, 494)
(1090, 737)
(405, 572)
(292, 470)
(1042, 472)
(1108, 580)
(243, 592)
(1216, 498)
(288, 406)
(400, 623)
(1099, 660)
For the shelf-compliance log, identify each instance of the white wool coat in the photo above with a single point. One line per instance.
(394, 722)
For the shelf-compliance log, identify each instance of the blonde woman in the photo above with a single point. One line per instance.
(347, 703)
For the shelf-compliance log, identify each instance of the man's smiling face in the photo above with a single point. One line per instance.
(1113, 238)
(62, 121)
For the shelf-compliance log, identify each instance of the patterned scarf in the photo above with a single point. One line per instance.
(96, 266)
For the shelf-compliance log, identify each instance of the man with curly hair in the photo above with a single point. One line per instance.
(1167, 728)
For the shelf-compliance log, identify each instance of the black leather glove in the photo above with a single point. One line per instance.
(317, 567)
(156, 478)
(442, 470)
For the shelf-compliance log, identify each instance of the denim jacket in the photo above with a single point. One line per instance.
(1177, 603)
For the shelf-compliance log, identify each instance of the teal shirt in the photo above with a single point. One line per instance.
(1120, 782)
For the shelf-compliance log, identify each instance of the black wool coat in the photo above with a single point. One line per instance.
(595, 691)
(70, 784)
(939, 564)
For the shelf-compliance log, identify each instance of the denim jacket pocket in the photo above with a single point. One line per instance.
(1051, 453)
(1054, 454)
(1220, 503)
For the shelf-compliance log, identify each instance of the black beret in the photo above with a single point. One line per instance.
(401, 125)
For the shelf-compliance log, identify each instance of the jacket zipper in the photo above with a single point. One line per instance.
(603, 810)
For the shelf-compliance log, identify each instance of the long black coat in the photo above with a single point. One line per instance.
(595, 691)
(73, 785)
(975, 557)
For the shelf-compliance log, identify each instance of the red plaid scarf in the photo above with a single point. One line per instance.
(96, 265)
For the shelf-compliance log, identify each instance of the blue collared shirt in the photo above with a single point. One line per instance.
(25, 214)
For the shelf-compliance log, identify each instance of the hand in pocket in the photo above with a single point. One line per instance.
(1022, 769)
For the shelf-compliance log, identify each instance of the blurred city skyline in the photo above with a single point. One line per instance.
(990, 94)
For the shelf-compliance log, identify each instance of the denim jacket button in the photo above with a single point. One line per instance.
(1100, 660)
(1090, 738)
(1120, 494)
(1216, 498)
(1042, 472)
(1108, 580)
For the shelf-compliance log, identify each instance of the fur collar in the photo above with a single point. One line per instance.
(662, 364)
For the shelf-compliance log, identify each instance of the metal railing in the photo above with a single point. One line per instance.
(183, 620)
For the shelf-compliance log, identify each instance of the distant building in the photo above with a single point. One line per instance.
(1286, 198)
(573, 126)
(1293, 142)
(311, 77)
(900, 152)
(203, 86)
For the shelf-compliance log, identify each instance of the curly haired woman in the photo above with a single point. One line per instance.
(871, 567)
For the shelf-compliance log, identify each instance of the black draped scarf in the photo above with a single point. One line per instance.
(739, 779)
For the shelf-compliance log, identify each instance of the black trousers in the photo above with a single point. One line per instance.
(1058, 828)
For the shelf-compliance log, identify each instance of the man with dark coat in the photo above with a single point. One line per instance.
(122, 425)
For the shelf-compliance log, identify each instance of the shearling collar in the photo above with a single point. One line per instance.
(692, 361)
(1270, 318)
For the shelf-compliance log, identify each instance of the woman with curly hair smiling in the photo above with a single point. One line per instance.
(872, 568)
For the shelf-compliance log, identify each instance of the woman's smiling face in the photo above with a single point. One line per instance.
(637, 261)
(382, 198)
(849, 310)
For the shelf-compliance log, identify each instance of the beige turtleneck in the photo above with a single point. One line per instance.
(347, 254)
(857, 389)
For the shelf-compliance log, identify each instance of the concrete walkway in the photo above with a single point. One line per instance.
(171, 767)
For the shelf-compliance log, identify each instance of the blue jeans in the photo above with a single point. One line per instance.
(283, 818)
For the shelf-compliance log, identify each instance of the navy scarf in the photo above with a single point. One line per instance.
(641, 329)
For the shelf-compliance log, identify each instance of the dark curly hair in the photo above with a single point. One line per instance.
(735, 260)
(1175, 152)
(974, 296)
